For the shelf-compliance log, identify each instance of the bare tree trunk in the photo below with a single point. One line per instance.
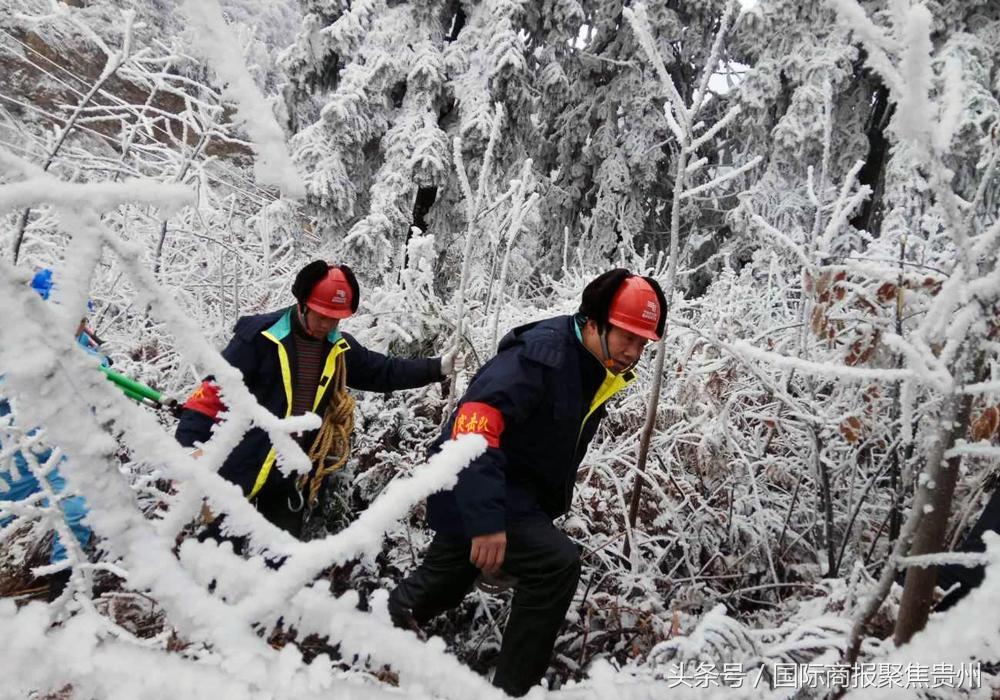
(915, 606)
(826, 496)
(897, 485)
(869, 216)
(933, 500)
(178, 178)
(682, 115)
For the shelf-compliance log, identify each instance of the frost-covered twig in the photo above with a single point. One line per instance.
(114, 62)
(723, 178)
(519, 209)
(273, 165)
(472, 208)
(101, 196)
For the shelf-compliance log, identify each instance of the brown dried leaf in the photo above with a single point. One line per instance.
(832, 329)
(850, 428)
(985, 426)
(887, 292)
(931, 285)
(862, 350)
(867, 353)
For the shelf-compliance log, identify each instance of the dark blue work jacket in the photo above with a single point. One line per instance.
(535, 382)
(263, 349)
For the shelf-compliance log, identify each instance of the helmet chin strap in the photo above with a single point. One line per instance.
(606, 360)
(304, 320)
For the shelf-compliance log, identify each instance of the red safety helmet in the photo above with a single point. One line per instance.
(635, 307)
(332, 295)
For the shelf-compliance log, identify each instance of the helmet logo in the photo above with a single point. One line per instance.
(339, 297)
(651, 312)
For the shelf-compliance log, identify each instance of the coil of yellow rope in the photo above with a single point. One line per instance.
(332, 445)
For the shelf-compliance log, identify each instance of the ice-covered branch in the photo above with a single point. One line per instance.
(734, 111)
(712, 61)
(473, 206)
(843, 207)
(675, 111)
(217, 43)
(420, 664)
(723, 178)
(833, 371)
(879, 45)
(100, 196)
(364, 535)
(784, 240)
(77, 656)
(915, 117)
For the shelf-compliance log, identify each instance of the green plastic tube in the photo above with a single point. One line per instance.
(133, 389)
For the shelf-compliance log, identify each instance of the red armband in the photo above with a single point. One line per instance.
(481, 419)
(205, 399)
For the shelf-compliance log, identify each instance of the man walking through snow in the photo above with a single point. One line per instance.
(538, 403)
(296, 360)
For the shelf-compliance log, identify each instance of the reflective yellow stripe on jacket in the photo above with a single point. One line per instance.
(612, 384)
(336, 351)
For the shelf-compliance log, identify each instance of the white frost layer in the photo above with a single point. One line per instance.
(98, 196)
(218, 45)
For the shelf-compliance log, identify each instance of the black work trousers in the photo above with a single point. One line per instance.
(546, 565)
(276, 506)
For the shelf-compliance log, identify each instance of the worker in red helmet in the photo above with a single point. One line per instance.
(297, 360)
(538, 403)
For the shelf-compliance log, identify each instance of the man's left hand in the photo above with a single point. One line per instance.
(487, 552)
